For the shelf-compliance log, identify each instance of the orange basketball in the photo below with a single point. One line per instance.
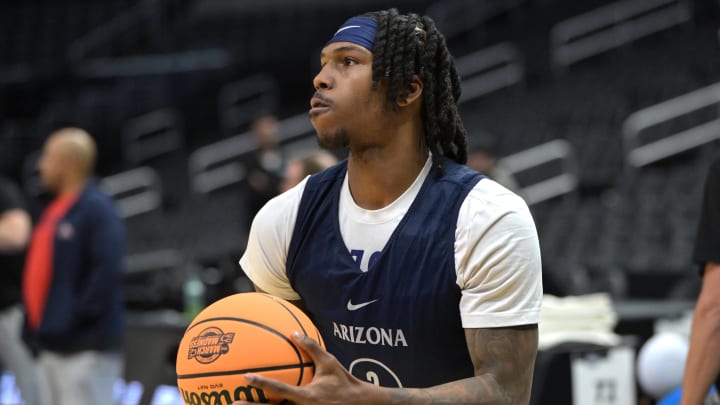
(240, 334)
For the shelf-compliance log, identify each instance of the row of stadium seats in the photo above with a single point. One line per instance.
(39, 34)
(597, 98)
(586, 106)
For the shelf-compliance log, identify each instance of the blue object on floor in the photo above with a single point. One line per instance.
(673, 398)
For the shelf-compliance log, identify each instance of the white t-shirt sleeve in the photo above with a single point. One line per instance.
(497, 258)
(268, 243)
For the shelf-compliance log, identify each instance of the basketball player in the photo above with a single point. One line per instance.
(703, 362)
(422, 275)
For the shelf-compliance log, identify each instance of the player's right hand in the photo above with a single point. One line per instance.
(332, 384)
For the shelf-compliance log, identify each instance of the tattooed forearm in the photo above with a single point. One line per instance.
(507, 355)
(504, 359)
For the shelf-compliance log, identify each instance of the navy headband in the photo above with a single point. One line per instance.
(358, 30)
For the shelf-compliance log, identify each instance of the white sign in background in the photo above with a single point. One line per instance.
(604, 378)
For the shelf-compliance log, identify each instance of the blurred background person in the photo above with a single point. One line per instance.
(265, 164)
(15, 226)
(299, 168)
(703, 363)
(482, 158)
(73, 275)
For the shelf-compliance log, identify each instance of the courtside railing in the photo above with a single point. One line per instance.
(241, 101)
(135, 191)
(612, 26)
(219, 165)
(652, 122)
(152, 134)
(565, 182)
(491, 69)
(456, 17)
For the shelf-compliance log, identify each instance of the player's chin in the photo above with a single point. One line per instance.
(318, 116)
(335, 138)
(323, 124)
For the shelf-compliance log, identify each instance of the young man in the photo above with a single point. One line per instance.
(422, 275)
(703, 362)
(72, 285)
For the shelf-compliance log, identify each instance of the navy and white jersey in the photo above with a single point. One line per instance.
(392, 290)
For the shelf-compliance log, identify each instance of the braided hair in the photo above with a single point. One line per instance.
(407, 45)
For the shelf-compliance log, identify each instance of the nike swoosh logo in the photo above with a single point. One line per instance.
(355, 307)
(346, 28)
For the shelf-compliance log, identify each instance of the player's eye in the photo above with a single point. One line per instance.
(348, 61)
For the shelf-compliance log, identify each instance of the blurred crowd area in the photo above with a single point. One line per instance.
(603, 115)
(170, 89)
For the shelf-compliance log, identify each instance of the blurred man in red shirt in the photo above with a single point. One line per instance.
(73, 278)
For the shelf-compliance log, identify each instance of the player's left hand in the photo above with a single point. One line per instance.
(332, 383)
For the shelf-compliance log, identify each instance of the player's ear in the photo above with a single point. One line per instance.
(415, 91)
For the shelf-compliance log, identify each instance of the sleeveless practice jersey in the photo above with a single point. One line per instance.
(398, 324)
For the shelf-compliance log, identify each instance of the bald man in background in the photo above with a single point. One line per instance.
(73, 277)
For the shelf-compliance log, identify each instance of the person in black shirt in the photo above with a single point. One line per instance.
(265, 165)
(14, 234)
(703, 363)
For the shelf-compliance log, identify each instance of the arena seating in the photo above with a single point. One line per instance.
(616, 223)
(586, 106)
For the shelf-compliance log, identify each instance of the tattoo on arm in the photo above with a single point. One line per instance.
(504, 360)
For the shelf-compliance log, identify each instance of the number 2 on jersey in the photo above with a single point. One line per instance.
(373, 378)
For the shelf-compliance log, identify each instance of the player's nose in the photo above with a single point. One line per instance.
(323, 80)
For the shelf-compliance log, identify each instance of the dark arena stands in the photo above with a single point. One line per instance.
(606, 113)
